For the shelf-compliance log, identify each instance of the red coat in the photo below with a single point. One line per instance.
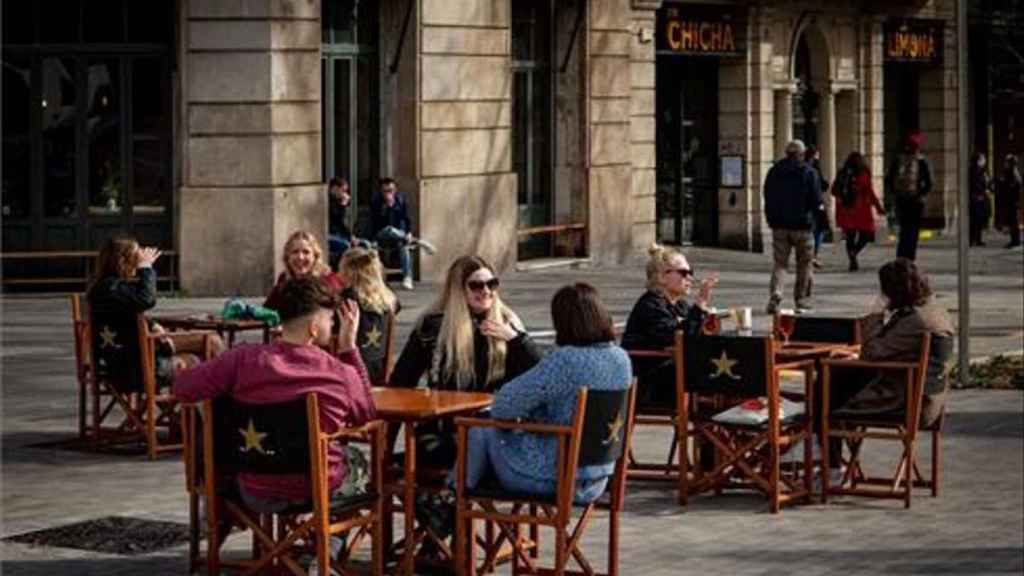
(860, 216)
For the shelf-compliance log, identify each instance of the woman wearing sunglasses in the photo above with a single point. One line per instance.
(657, 315)
(467, 340)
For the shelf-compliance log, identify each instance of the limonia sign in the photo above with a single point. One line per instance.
(692, 29)
(911, 40)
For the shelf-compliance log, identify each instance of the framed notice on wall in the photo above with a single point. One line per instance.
(731, 171)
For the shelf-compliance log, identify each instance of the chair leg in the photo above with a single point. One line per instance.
(936, 456)
(908, 477)
(613, 542)
(151, 426)
(561, 553)
(377, 555)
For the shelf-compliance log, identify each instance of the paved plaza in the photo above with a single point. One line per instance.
(976, 526)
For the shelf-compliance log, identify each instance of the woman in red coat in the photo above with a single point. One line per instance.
(856, 204)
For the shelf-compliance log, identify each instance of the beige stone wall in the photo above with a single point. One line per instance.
(640, 107)
(251, 144)
(467, 191)
(613, 81)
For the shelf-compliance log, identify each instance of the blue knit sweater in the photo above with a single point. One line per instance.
(547, 394)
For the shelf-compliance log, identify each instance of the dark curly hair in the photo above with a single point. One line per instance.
(904, 284)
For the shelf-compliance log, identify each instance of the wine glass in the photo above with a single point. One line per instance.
(712, 323)
(785, 323)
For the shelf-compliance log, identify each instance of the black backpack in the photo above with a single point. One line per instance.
(844, 188)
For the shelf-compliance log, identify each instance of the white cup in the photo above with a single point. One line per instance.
(744, 320)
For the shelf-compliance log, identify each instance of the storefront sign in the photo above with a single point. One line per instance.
(691, 29)
(912, 40)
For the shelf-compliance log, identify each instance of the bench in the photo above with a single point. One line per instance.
(88, 257)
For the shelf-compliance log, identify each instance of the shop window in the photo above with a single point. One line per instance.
(17, 109)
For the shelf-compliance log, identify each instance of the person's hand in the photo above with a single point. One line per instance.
(147, 256)
(408, 237)
(707, 286)
(349, 312)
(498, 330)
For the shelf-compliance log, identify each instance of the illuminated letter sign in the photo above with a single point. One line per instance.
(914, 41)
(699, 30)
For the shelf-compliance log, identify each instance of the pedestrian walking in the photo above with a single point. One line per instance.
(856, 204)
(821, 223)
(979, 185)
(1009, 187)
(910, 180)
(792, 193)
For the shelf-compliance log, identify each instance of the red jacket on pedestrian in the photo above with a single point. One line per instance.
(860, 215)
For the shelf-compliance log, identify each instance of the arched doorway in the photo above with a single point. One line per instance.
(811, 75)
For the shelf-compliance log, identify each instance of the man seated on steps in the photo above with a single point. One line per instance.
(392, 228)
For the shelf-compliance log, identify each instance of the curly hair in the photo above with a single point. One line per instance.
(904, 284)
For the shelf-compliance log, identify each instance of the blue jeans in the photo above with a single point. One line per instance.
(485, 452)
(392, 238)
(819, 237)
(337, 245)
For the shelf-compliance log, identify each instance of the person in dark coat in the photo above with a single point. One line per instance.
(1008, 196)
(792, 194)
(467, 340)
(392, 228)
(123, 288)
(910, 180)
(658, 315)
(856, 204)
(339, 233)
(821, 225)
(361, 271)
(979, 185)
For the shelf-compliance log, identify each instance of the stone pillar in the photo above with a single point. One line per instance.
(612, 79)
(783, 119)
(828, 132)
(872, 100)
(642, 123)
(251, 144)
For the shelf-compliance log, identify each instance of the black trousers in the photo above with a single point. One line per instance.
(978, 219)
(908, 211)
(1013, 223)
(856, 240)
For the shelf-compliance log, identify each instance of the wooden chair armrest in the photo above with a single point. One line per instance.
(877, 365)
(794, 365)
(363, 432)
(665, 353)
(180, 334)
(535, 427)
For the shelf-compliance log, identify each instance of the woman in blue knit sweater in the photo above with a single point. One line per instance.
(587, 356)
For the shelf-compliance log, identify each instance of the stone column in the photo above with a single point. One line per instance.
(783, 119)
(642, 122)
(251, 140)
(828, 132)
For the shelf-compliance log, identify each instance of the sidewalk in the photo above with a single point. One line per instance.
(975, 527)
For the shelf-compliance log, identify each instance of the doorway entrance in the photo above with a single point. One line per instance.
(686, 134)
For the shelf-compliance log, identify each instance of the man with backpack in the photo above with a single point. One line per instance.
(910, 180)
(792, 193)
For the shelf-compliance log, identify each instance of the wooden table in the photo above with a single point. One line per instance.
(794, 351)
(227, 328)
(411, 406)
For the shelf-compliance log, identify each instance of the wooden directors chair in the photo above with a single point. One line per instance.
(375, 341)
(147, 414)
(600, 433)
(283, 438)
(732, 372)
(928, 375)
(674, 417)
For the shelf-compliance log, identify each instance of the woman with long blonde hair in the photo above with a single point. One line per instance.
(469, 339)
(363, 275)
(302, 257)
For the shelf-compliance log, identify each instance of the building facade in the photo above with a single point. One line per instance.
(519, 130)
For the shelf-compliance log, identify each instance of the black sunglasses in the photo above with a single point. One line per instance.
(479, 285)
(684, 272)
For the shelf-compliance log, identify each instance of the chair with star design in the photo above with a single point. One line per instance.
(117, 373)
(600, 433)
(376, 342)
(230, 438)
(737, 407)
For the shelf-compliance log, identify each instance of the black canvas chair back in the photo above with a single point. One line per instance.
(823, 329)
(940, 354)
(261, 438)
(604, 426)
(727, 364)
(115, 346)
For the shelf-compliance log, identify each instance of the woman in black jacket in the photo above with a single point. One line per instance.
(656, 317)
(467, 340)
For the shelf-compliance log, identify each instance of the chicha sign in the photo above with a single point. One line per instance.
(914, 41)
(709, 30)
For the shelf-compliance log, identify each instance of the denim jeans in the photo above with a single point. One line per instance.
(485, 452)
(392, 238)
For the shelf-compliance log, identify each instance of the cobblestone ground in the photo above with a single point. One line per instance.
(976, 526)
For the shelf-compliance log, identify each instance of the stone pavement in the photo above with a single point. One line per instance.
(975, 527)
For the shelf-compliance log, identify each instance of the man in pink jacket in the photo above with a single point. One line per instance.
(288, 369)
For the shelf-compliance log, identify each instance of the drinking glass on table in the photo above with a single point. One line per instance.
(712, 323)
(785, 323)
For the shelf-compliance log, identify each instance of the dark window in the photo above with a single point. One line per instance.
(103, 21)
(17, 108)
(59, 21)
(149, 22)
(60, 113)
(18, 22)
(103, 132)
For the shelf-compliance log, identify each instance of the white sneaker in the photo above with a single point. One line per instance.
(426, 245)
(407, 284)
